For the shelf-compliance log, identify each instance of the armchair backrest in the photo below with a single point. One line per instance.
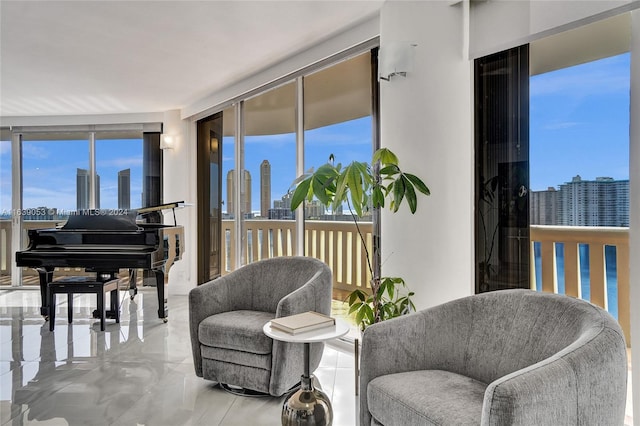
(270, 280)
(505, 331)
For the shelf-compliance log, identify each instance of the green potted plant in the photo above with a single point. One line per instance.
(362, 186)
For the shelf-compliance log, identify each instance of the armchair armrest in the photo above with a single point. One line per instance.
(573, 386)
(209, 299)
(314, 295)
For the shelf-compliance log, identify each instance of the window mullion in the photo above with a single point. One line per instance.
(93, 196)
(300, 161)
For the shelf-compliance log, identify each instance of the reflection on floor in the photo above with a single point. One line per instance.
(138, 372)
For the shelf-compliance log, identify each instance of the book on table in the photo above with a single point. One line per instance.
(300, 323)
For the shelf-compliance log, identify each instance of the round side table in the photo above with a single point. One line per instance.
(307, 405)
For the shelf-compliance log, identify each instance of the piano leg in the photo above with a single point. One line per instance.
(163, 310)
(45, 274)
(133, 283)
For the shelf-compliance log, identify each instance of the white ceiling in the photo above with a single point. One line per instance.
(111, 57)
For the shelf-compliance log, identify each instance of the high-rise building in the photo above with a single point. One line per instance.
(230, 191)
(245, 193)
(265, 188)
(82, 190)
(284, 202)
(124, 189)
(544, 207)
(600, 202)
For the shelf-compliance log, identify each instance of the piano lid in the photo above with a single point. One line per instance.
(119, 219)
(166, 206)
(154, 214)
(103, 220)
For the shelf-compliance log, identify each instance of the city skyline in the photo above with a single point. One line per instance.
(603, 201)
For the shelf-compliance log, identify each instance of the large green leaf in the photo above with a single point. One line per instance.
(322, 188)
(418, 183)
(398, 193)
(389, 171)
(300, 193)
(377, 197)
(385, 156)
(410, 194)
(355, 183)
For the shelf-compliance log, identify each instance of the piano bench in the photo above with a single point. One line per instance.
(71, 285)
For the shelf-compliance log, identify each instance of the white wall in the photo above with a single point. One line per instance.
(426, 119)
(179, 184)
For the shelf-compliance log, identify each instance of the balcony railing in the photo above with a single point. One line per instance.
(602, 283)
(338, 244)
(6, 259)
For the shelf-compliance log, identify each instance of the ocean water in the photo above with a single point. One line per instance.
(583, 253)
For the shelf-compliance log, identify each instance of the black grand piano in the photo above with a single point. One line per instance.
(104, 242)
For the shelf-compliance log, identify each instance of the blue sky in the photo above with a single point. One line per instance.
(579, 125)
(348, 141)
(49, 174)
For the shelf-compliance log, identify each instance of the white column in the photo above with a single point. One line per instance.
(426, 118)
(176, 164)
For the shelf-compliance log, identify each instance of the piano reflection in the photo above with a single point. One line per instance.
(103, 242)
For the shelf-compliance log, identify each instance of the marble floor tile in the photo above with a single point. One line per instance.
(137, 372)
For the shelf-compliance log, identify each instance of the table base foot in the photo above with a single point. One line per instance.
(307, 406)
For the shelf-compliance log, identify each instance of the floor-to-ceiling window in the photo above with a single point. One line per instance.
(65, 170)
(56, 177)
(325, 110)
(579, 207)
(119, 165)
(338, 125)
(580, 101)
(228, 167)
(269, 171)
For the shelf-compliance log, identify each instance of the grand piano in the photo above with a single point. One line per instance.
(103, 243)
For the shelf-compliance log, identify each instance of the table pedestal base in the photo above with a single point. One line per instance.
(307, 406)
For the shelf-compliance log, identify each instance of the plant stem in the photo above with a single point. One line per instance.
(375, 281)
(362, 240)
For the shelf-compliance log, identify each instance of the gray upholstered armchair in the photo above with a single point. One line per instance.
(226, 317)
(511, 357)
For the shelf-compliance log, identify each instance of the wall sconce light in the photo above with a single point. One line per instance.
(167, 141)
(396, 58)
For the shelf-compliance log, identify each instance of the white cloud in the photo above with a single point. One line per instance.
(562, 125)
(122, 163)
(596, 78)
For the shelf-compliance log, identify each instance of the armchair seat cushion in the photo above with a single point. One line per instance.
(237, 330)
(426, 397)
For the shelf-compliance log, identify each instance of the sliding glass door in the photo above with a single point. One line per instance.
(280, 132)
(502, 170)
